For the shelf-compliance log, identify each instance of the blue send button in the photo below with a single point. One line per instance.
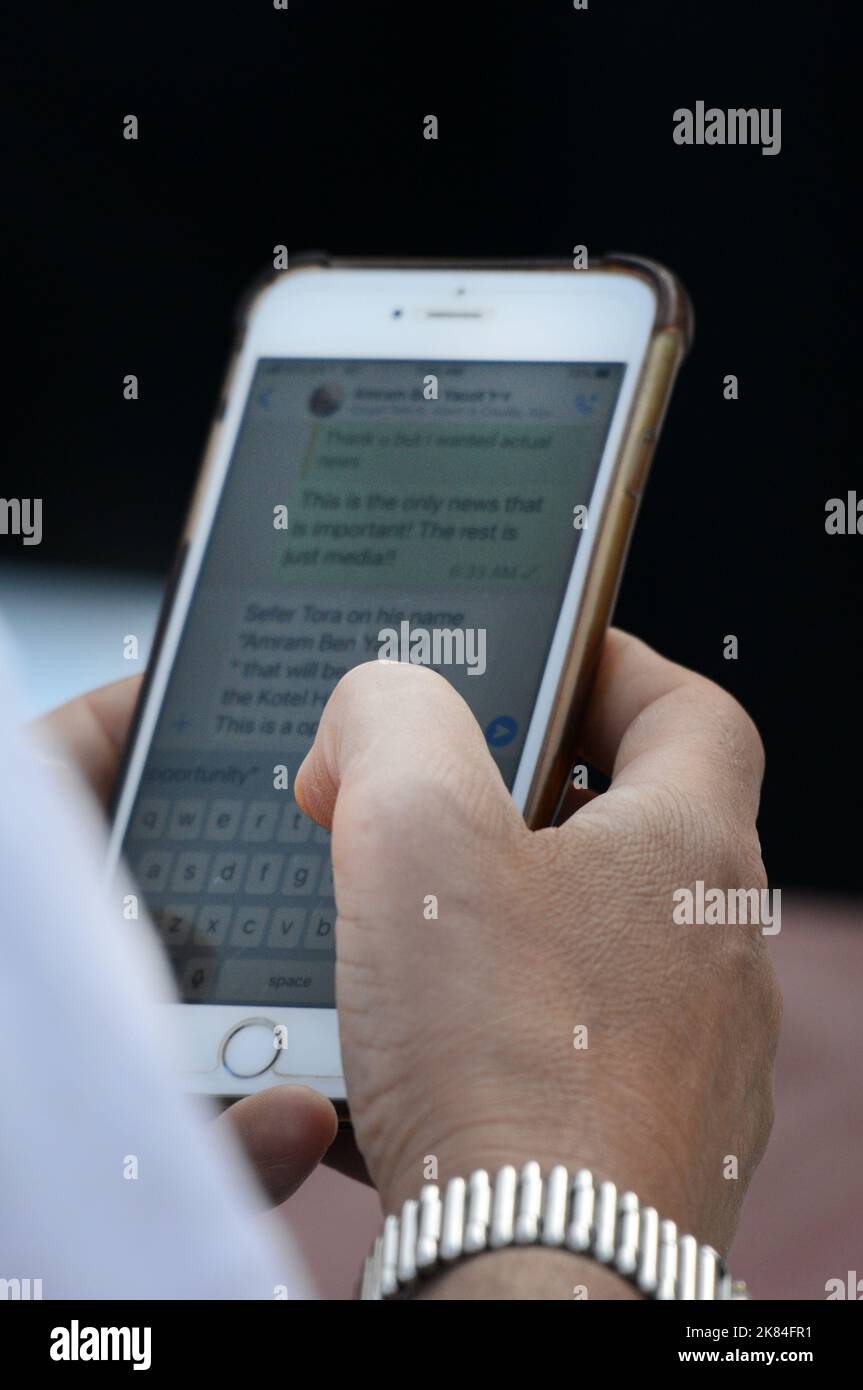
(501, 731)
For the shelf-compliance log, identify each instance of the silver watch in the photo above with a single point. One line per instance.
(570, 1211)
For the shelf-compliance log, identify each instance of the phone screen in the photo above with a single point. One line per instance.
(416, 510)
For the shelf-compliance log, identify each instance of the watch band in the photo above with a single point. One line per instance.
(564, 1210)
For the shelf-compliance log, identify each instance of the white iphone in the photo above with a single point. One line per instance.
(428, 461)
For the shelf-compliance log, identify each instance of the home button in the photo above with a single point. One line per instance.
(250, 1049)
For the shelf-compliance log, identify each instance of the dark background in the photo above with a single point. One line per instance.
(304, 127)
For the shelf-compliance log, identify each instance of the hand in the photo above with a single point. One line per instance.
(286, 1130)
(457, 1029)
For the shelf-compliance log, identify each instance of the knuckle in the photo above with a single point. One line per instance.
(766, 1014)
(734, 852)
(747, 865)
(754, 972)
(774, 1001)
(738, 741)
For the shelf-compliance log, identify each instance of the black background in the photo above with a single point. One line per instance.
(304, 127)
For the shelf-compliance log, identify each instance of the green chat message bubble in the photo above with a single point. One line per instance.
(444, 505)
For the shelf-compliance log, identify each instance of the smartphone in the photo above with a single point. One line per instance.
(433, 461)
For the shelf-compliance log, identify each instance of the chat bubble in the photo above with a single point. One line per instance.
(434, 504)
(283, 660)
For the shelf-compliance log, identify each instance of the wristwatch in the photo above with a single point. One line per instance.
(564, 1210)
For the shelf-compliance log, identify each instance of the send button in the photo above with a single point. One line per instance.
(501, 731)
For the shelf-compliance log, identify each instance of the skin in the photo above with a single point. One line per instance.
(457, 1031)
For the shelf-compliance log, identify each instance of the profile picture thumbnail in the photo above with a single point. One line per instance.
(326, 399)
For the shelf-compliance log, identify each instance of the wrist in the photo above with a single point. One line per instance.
(527, 1274)
(552, 1213)
(639, 1166)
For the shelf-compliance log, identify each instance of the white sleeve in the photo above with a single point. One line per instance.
(84, 1082)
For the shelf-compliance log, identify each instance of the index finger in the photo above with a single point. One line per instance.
(652, 722)
(92, 729)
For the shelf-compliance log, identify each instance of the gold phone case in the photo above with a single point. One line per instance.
(670, 341)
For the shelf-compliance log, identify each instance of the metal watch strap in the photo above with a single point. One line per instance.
(569, 1211)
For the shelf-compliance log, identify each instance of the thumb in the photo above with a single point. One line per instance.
(285, 1132)
(401, 738)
